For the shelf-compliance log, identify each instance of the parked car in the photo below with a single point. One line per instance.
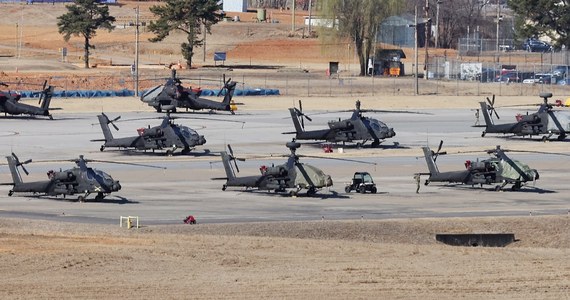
(508, 77)
(560, 71)
(534, 45)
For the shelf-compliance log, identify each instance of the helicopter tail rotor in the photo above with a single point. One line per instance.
(42, 93)
(491, 107)
(438, 152)
(225, 86)
(21, 164)
(233, 158)
(301, 115)
(112, 121)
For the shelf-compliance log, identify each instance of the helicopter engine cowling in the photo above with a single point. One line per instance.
(341, 125)
(275, 171)
(64, 176)
(529, 118)
(152, 132)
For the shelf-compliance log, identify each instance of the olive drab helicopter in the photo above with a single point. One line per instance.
(80, 180)
(10, 105)
(292, 176)
(172, 95)
(357, 129)
(167, 136)
(546, 122)
(499, 170)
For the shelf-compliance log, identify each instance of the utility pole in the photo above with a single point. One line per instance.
(310, 6)
(416, 83)
(293, 18)
(437, 22)
(204, 45)
(498, 25)
(136, 74)
(426, 44)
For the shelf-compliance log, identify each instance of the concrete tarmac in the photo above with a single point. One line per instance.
(185, 188)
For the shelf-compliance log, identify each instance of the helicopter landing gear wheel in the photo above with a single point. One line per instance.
(544, 139)
(158, 109)
(102, 148)
(483, 134)
(99, 197)
(224, 187)
(358, 145)
(516, 186)
(168, 152)
(311, 191)
(375, 144)
(185, 151)
(10, 193)
(497, 188)
(561, 137)
(81, 198)
(293, 193)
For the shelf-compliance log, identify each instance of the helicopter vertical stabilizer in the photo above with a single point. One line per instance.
(296, 123)
(433, 170)
(104, 122)
(227, 166)
(486, 116)
(230, 89)
(45, 99)
(12, 164)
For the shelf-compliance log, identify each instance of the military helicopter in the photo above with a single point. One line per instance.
(9, 103)
(546, 121)
(499, 170)
(172, 95)
(167, 136)
(292, 175)
(81, 180)
(357, 129)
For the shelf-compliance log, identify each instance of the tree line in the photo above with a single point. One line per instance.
(356, 21)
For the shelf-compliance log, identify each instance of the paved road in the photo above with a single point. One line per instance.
(166, 197)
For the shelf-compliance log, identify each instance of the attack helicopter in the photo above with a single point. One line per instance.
(167, 136)
(172, 95)
(292, 176)
(546, 122)
(499, 170)
(357, 128)
(9, 103)
(80, 180)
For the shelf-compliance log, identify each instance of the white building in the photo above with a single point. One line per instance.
(235, 5)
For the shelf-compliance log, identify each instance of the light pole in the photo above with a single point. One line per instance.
(426, 43)
(437, 22)
(499, 19)
(416, 83)
(136, 73)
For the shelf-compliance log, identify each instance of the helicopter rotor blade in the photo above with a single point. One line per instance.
(491, 107)
(124, 163)
(21, 164)
(336, 158)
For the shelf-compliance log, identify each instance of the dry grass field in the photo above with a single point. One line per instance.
(357, 259)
